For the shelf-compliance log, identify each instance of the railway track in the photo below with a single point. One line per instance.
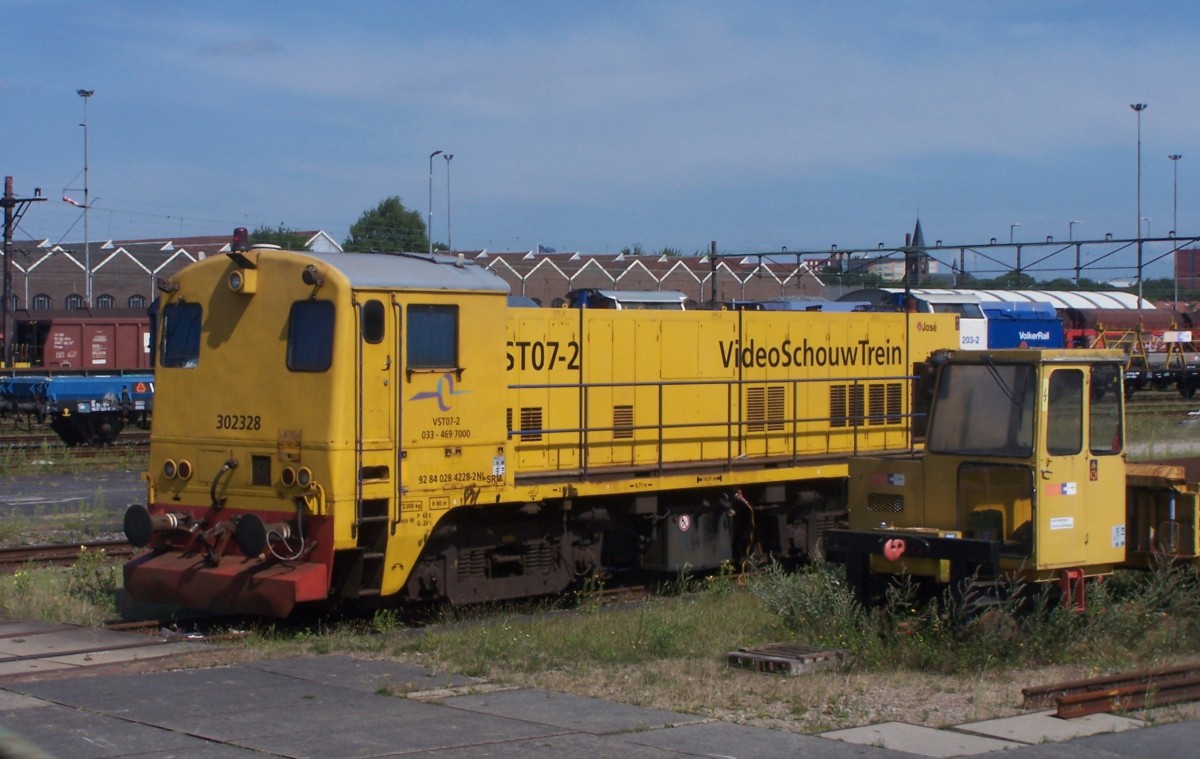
(1118, 693)
(37, 441)
(13, 558)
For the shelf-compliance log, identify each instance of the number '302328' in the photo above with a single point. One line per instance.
(238, 422)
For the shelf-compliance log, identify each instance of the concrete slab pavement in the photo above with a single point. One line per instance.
(920, 740)
(342, 706)
(1044, 727)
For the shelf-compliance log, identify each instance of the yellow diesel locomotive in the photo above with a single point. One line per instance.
(357, 427)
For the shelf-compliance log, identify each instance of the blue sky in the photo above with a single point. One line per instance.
(593, 126)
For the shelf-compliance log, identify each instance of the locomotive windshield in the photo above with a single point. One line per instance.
(984, 410)
(181, 335)
(310, 336)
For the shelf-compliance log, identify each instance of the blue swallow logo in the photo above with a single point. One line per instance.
(445, 387)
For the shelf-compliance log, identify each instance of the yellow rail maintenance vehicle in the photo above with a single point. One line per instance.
(359, 427)
(1024, 475)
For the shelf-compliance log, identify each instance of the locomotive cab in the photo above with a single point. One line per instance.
(1023, 474)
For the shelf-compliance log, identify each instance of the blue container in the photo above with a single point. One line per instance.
(84, 395)
(1022, 325)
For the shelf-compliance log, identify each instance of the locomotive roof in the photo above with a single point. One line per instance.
(412, 271)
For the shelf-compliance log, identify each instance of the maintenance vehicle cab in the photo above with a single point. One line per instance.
(1023, 476)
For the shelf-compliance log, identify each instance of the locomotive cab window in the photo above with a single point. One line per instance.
(432, 337)
(181, 335)
(372, 322)
(310, 336)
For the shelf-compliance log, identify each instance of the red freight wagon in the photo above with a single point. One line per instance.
(112, 339)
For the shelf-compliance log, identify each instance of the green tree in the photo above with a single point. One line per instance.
(284, 237)
(389, 226)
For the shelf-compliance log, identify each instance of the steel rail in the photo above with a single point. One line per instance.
(59, 554)
(1120, 692)
(1129, 697)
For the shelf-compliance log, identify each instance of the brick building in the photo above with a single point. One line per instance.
(546, 277)
(47, 276)
(1187, 268)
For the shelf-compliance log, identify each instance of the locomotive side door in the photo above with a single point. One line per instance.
(1079, 503)
(376, 455)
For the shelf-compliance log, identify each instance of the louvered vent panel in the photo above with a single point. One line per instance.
(857, 409)
(756, 409)
(622, 422)
(776, 405)
(875, 397)
(895, 403)
(837, 405)
(531, 423)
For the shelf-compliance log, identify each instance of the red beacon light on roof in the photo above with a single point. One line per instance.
(241, 239)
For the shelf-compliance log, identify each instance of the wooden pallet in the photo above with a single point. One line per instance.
(785, 658)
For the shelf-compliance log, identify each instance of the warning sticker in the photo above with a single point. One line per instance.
(1062, 523)
(685, 523)
(1061, 488)
(1118, 536)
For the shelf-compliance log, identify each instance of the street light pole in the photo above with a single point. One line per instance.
(449, 244)
(1071, 230)
(87, 239)
(1011, 227)
(429, 226)
(1175, 217)
(1138, 108)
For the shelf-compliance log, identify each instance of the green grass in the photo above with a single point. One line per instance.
(1132, 617)
(83, 594)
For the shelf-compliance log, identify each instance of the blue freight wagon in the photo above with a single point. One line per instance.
(1022, 325)
(93, 410)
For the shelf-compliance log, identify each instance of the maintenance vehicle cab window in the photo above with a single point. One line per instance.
(432, 337)
(310, 336)
(181, 335)
(984, 410)
(1064, 414)
(1104, 414)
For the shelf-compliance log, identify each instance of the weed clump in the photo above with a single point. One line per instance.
(982, 625)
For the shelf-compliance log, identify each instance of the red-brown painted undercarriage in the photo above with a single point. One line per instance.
(226, 560)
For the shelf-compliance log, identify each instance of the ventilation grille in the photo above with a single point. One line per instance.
(888, 503)
(877, 403)
(622, 422)
(765, 408)
(531, 423)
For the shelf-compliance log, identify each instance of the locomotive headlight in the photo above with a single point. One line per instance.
(304, 477)
(288, 476)
(242, 281)
(184, 469)
(170, 469)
